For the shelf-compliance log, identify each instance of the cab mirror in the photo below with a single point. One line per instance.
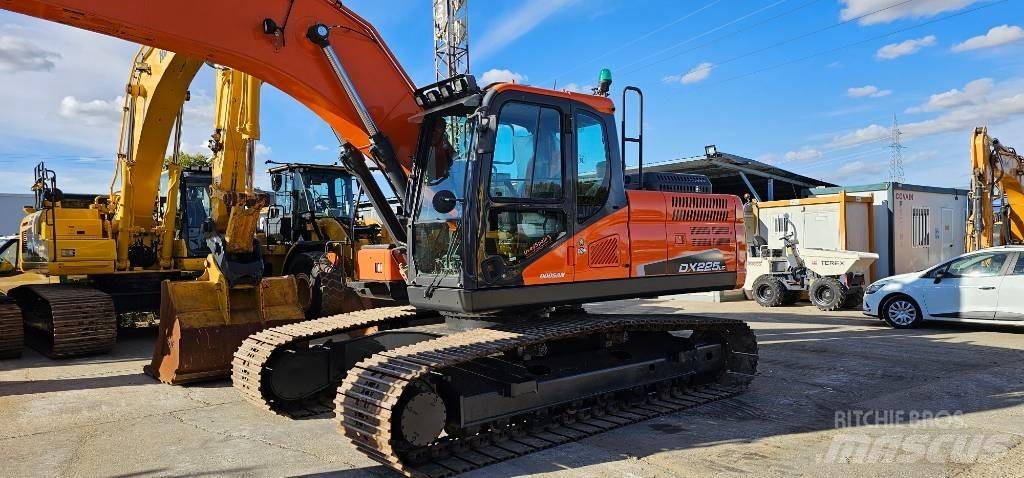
(939, 274)
(6, 268)
(444, 201)
(276, 182)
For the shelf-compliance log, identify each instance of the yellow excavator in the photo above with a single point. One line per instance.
(117, 252)
(996, 178)
(203, 322)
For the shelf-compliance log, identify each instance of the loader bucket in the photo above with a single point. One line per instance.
(201, 326)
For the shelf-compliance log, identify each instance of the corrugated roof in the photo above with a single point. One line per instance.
(724, 171)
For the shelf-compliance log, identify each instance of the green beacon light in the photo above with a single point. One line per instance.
(604, 82)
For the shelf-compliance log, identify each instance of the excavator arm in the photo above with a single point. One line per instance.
(996, 174)
(157, 86)
(316, 51)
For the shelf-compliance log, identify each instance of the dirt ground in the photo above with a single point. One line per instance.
(838, 394)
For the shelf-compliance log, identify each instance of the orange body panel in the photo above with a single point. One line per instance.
(378, 264)
(658, 234)
(230, 33)
(599, 103)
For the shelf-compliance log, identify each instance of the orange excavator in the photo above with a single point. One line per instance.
(515, 202)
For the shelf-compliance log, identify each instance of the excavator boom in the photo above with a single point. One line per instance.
(267, 40)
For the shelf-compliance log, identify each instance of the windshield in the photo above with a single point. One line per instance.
(437, 234)
(195, 207)
(327, 194)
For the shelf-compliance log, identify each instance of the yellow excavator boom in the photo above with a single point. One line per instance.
(996, 175)
(157, 88)
(202, 322)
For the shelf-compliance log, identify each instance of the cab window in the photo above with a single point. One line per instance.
(527, 161)
(592, 165)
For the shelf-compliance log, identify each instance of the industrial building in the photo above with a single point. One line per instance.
(12, 210)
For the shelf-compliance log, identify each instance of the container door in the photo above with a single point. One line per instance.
(948, 248)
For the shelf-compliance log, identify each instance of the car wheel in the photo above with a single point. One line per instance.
(902, 312)
(769, 291)
(827, 293)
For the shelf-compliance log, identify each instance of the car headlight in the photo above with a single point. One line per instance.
(875, 286)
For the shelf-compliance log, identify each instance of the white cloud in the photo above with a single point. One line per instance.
(908, 47)
(981, 102)
(698, 74)
(262, 151)
(93, 112)
(520, 22)
(855, 169)
(862, 135)
(321, 147)
(769, 158)
(856, 8)
(19, 54)
(804, 154)
(507, 76)
(575, 88)
(997, 36)
(974, 92)
(868, 90)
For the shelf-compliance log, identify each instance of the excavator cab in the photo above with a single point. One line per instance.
(520, 186)
(309, 202)
(194, 210)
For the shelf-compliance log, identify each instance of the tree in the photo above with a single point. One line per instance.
(189, 160)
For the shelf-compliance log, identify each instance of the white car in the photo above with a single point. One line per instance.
(982, 286)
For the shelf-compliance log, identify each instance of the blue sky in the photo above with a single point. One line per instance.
(811, 85)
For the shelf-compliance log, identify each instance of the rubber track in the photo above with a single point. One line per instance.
(373, 388)
(82, 320)
(11, 328)
(252, 356)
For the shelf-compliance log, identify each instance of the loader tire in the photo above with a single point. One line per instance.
(854, 298)
(336, 297)
(827, 293)
(769, 291)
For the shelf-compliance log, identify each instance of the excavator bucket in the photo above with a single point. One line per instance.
(203, 322)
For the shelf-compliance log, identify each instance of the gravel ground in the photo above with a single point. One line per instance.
(838, 394)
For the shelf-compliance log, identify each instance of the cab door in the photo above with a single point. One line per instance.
(526, 220)
(600, 247)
